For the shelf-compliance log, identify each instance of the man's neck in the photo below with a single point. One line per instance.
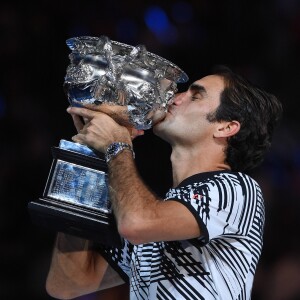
(187, 162)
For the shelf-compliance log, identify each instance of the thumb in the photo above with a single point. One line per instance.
(134, 133)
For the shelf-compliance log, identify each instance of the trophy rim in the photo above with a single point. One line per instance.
(182, 76)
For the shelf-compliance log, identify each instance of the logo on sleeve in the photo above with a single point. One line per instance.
(197, 197)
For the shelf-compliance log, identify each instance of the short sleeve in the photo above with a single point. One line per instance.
(219, 203)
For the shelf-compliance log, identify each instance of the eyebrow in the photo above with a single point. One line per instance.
(198, 88)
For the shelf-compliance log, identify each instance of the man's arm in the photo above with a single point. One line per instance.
(141, 216)
(76, 269)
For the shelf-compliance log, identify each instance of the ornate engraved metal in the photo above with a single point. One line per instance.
(106, 71)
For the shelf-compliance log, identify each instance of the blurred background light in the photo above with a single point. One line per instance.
(156, 19)
(158, 22)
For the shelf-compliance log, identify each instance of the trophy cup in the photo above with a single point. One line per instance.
(102, 73)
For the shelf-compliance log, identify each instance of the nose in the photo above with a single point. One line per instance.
(178, 99)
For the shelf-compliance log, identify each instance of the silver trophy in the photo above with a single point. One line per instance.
(102, 73)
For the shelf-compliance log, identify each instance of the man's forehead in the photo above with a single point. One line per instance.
(208, 83)
(211, 80)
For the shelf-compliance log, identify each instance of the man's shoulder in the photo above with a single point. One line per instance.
(215, 181)
(210, 176)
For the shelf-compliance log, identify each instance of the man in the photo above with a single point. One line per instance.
(204, 240)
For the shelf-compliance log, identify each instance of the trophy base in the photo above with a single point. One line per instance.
(81, 222)
(76, 197)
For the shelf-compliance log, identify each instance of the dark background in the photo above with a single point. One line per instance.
(260, 39)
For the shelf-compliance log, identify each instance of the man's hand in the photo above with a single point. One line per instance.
(99, 130)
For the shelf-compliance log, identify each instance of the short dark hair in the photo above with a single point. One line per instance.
(258, 113)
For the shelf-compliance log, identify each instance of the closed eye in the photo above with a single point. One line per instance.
(198, 91)
(197, 96)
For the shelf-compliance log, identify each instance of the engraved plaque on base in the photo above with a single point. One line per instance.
(132, 85)
(76, 198)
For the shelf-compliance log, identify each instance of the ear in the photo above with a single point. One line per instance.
(227, 129)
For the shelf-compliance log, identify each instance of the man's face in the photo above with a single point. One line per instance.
(186, 120)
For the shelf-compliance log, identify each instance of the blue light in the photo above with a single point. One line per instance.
(156, 19)
(158, 22)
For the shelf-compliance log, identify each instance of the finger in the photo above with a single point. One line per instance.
(78, 138)
(134, 133)
(140, 132)
(86, 120)
(118, 112)
(83, 112)
(77, 122)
